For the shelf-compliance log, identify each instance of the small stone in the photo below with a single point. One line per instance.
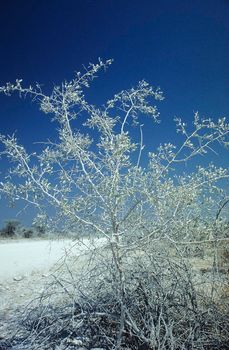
(77, 342)
(18, 278)
(44, 275)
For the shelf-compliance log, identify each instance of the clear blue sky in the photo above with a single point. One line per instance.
(181, 46)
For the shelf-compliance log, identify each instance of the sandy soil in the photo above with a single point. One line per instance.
(22, 258)
(26, 266)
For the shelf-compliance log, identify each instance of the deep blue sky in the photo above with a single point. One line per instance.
(180, 45)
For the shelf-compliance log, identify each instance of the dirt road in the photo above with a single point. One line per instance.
(22, 258)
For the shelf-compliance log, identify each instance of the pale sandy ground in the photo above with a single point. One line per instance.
(22, 258)
(27, 266)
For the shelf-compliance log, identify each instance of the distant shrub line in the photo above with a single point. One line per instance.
(14, 229)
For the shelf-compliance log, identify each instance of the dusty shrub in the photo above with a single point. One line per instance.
(94, 177)
(27, 233)
(164, 308)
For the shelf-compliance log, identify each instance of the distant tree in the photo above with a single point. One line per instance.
(39, 224)
(10, 229)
